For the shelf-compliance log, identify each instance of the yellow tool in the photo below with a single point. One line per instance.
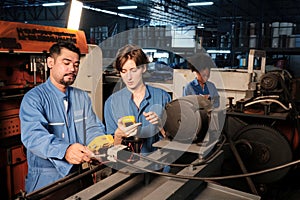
(103, 141)
(128, 120)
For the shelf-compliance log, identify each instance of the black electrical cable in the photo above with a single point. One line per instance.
(210, 178)
(201, 162)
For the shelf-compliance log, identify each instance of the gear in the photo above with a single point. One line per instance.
(264, 148)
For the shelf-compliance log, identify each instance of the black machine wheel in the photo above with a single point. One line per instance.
(262, 147)
(269, 81)
(187, 118)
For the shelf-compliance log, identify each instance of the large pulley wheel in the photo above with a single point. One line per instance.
(262, 147)
(187, 118)
(269, 81)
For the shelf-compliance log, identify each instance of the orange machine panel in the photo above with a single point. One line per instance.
(9, 127)
(9, 119)
(31, 38)
(13, 169)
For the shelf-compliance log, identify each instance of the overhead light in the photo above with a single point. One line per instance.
(100, 10)
(53, 4)
(149, 50)
(204, 3)
(75, 15)
(113, 13)
(126, 7)
(200, 25)
(218, 51)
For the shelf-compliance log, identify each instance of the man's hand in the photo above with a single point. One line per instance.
(77, 154)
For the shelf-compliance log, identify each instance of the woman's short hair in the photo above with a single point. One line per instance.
(133, 52)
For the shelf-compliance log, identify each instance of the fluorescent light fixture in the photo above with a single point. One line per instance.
(127, 16)
(126, 7)
(75, 15)
(149, 50)
(218, 51)
(53, 4)
(113, 13)
(204, 3)
(200, 25)
(100, 10)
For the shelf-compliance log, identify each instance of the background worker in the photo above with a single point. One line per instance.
(200, 65)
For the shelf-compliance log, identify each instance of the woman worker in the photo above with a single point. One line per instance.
(144, 102)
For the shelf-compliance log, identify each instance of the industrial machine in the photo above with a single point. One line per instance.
(189, 163)
(195, 153)
(264, 128)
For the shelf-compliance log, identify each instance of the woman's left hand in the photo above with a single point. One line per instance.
(152, 117)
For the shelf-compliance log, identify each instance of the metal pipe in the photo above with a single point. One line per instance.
(242, 166)
(267, 100)
(60, 184)
(34, 71)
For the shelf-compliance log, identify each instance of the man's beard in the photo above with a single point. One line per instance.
(67, 83)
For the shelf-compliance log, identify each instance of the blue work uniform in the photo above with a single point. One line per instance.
(121, 104)
(50, 122)
(194, 88)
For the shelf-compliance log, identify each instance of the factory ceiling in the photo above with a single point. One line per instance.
(164, 12)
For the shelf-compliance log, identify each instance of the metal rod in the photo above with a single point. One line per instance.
(242, 166)
(60, 184)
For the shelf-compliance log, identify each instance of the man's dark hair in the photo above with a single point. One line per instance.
(200, 61)
(56, 48)
(133, 52)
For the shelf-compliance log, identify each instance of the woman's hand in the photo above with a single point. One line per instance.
(152, 117)
(123, 131)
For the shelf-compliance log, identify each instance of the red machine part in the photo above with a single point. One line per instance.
(16, 72)
(10, 123)
(16, 77)
(13, 171)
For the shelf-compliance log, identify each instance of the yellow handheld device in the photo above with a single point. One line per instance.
(128, 120)
(103, 141)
